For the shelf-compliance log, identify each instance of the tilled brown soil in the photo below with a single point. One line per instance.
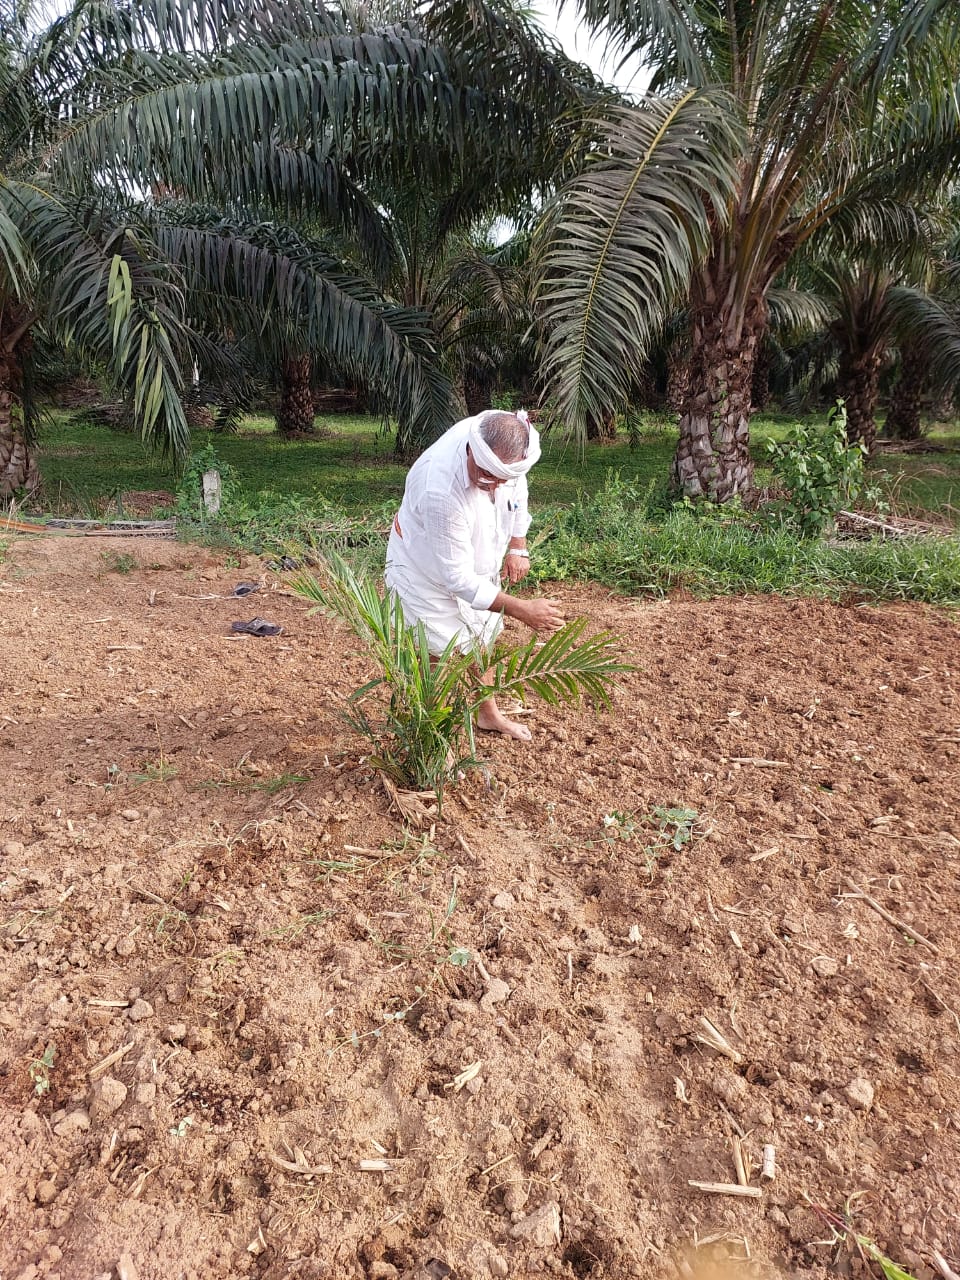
(262, 1058)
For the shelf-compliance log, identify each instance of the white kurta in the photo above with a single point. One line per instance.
(448, 542)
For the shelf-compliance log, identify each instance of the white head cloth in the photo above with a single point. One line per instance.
(487, 460)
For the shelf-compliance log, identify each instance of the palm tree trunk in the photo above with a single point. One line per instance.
(295, 414)
(760, 389)
(858, 381)
(604, 427)
(713, 453)
(903, 419)
(645, 394)
(943, 408)
(678, 375)
(477, 389)
(18, 468)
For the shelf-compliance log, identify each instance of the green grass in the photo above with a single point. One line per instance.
(604, 515)
(87, 467)
(620, 539)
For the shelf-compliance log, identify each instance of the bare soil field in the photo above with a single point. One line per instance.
(255, 1025)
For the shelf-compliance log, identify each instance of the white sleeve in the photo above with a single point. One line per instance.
(521, 517)
(451, 547)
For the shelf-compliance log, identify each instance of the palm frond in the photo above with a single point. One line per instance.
(560, 669)
(271, 280)
(426, 733)
(798, 309)
(934, 326)
(107, 294)
(623, 239)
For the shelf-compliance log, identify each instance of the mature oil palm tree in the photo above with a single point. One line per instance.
(259, 103)
(769, 120)
(879, 315)
(102, 273)
(923, 370)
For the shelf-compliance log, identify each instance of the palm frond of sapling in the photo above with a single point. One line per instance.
(564, 668)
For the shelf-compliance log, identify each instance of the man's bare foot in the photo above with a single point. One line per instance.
(492, 720)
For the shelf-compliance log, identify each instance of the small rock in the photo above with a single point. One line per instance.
(497, 1264)
(125, 946)
(792, 925)
(496, 992)
(582, 1060)
(504, 902)
(12, 849)
(130, 815)
(76, 1122)
(176, 1032)
(46, 1191)
(29, 1272)
(541, 1228)
(126, 1268)
(825, 966)
(140, 1009)
(58, 1012)
(199, 1038)
(515, 1197)
(146, 1093)
(108, 1096)
(382, 1271)
(831, 1158)
(859, 1093)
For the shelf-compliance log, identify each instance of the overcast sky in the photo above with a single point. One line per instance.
(576, 42)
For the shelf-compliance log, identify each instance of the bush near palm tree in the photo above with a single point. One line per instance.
(770, 121)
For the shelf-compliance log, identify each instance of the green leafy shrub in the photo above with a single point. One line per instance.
(425, 734)
(821, 470)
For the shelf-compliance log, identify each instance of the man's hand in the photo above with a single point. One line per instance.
(515, 568)
(540, 615)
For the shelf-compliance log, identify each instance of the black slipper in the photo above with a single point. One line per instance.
(256, 627)
(245, 588)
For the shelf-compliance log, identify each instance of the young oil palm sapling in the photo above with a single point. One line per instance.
(425, 734)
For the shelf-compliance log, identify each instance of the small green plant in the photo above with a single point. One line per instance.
(40, 1069)
(845, 1234)
(440, 946)
(302, 924)
(168, 920)
(118, 561)
(425, 735)
(160, 770)
(191, 508)
(249, 783)
(821, 470)
(674, 829)
(414, 852)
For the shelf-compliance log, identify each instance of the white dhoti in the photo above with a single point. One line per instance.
(445, 618)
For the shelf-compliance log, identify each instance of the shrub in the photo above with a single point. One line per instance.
(821, 470)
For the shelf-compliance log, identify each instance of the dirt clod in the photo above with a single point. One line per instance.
(859, 1093)
(541, 1227)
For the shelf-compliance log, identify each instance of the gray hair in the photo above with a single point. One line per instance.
(506, 435)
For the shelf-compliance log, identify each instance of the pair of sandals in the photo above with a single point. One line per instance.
(256, 626)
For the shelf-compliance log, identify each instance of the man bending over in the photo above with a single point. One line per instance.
(461, 529)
